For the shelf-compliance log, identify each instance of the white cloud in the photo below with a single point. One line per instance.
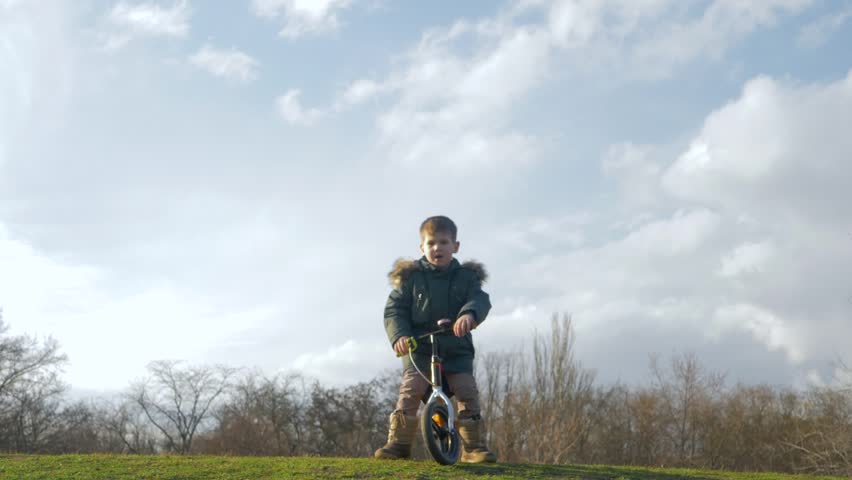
(126, 21)
(29, 281)
(749, 267)
(843, 375)
(456, 95)
(15, 86)
(113, 335)
(292, 111)
(770, 150)
(456, 110)
(729, 230)
(543, 233)
(636, 169)
(778, 156)
(361, 91)
(640, 264)
(745, 258)
(351, 362)
(152, 19)
(682, 234)
(651, 39)
(765, 326)
(508, 318)
(657, 288)
(36, 61)
(722, 25)
(302, 17)
(227, 63)
(816, 33)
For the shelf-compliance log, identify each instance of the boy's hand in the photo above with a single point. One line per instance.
(464, 325)
(401, 346)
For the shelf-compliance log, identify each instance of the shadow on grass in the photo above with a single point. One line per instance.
(584, 472)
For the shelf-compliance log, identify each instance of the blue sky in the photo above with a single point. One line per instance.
(230, 182)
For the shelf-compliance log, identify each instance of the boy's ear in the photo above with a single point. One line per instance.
(456, 249)
(421, 248)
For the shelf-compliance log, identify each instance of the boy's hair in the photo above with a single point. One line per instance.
(436, 224)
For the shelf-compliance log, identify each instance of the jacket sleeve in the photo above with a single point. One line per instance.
(398, 313)
(478, 302)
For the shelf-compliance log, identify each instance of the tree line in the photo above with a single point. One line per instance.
(540, 404)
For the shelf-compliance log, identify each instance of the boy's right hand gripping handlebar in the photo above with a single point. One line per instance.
(412, 345)
(443, 326)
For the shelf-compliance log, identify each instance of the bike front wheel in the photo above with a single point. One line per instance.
(443, 444)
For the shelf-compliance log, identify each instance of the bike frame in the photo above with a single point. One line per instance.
(435, 439)
(437, 384)
(435, 372)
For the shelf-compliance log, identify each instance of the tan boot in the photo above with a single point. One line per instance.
(400, 437)
(473, 441)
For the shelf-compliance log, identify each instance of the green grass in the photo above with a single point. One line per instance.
(95, 467)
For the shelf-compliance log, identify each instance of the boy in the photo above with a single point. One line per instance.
(432, 288)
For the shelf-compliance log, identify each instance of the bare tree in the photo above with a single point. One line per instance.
(752, 420)
(562, 394)
(30, 390)
(31, 412)
(75, 430)
(687, 391)
(177, 400)
(22, 356)
(496, 382)
(347, 421)
(123, 427)
(262, 416)
(823, 438)
(506, 405)
(648, 433)
(609, 437)
(538, 408)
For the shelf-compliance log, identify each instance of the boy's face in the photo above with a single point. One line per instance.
(439, 248)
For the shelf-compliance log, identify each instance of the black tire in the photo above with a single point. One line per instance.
(444, 445)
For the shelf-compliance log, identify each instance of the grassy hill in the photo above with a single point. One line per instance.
(94, 467)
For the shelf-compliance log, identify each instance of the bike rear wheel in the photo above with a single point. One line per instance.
(443, 444)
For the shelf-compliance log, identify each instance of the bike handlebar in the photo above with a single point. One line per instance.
(444, 326)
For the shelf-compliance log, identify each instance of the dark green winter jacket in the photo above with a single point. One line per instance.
(424, 294)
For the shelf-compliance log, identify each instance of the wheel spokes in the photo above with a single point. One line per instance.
(442, 433)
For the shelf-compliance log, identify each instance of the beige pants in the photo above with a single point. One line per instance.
(414, 387)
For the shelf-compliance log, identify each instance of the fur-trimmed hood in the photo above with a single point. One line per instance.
(403, 268)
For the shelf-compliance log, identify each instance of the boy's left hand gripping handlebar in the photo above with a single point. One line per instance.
(412, 346)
